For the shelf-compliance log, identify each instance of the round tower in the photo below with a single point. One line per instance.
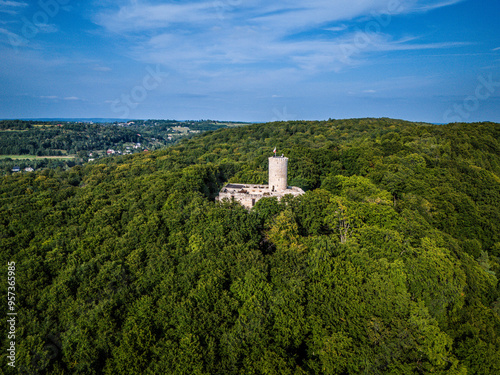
(278, 170)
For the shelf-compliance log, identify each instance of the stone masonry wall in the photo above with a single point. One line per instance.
(278, 171)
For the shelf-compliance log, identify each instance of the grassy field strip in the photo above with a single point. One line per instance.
(33, 157)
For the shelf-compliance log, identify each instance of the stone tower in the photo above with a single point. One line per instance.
(249, 195)
(278, 170)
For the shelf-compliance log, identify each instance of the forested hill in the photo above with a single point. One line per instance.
(36, 145)
(387, 265)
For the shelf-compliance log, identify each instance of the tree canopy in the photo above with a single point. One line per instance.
(388, 264)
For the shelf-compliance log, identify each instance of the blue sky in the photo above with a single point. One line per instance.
(251, 60)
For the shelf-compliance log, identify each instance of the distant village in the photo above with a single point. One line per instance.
(155, 134)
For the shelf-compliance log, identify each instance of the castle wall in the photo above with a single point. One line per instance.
(246, 194)
(278, 171)
(249, 195)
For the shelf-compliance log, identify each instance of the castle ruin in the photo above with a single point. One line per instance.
(248, 195)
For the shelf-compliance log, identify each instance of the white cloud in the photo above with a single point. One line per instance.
(47, 28)
(282, 16)
(336, 28)
(99, 68)
(7, 32)
(138, 17)
(55, 97)
(13, 4)
(12, 7)
(210, 36)
(436, 4)
(245, 46)
(8, 11)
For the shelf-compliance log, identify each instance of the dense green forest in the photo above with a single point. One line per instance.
(38, 144)
(388, 264)
(48, 139)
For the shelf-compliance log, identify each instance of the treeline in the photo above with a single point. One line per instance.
(388, 263)
(16, 124)
(200, 125)
(52, 140)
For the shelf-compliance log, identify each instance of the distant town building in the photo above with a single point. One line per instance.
(29, 169)
(249, 195)
(16, 169)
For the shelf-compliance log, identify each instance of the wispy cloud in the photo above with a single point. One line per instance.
(137, 16)
(7, 32)
(192, 35)
(11, 38)
(48, 28)
(99, 68)
(245, 48)
(13, 4)
(242, 57)
(336, 28)
(8, 11)
(436, 4)
(55, 97)
(12, 7)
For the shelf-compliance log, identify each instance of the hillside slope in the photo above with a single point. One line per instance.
(388, 263)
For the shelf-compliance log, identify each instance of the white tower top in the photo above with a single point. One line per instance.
(278, 171)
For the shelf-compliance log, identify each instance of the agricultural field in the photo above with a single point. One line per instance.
(54, 144)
